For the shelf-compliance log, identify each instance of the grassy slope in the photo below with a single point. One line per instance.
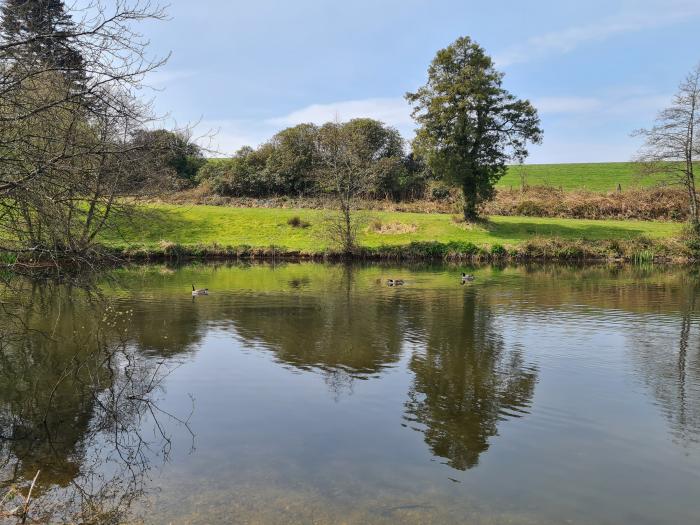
(260, 227)
(591, 176)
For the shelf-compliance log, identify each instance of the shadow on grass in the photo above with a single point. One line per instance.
(526, 230)
(148, 225)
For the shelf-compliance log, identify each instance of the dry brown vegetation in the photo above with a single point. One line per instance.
(661, 203)
(391, 228)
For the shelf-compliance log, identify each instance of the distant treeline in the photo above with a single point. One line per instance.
(289, 164)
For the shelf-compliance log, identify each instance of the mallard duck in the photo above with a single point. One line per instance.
(395, 282)
(201, 291)
(467, 277)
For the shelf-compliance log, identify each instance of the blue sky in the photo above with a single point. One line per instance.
(596, 70)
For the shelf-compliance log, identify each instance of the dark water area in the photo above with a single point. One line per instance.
(312, 393)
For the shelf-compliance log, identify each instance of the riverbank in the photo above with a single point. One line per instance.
(210, 232)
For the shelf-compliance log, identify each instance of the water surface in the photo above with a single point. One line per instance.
(317, 394)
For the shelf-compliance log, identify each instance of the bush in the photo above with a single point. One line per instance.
(529, 208)
(440, 193)
(498, 250)
(296, 222)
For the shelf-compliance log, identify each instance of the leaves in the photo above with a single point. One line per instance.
(469, 125)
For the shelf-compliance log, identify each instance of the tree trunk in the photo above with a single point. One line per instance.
(470, 202)
(349, 242)
(694, 213)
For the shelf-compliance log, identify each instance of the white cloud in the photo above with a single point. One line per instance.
(227, 136)
(564, 118)
(392, 111)
(644, 15)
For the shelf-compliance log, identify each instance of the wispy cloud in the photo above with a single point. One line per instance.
(228, 135)
(393, 111)
(225, 136)
(645, 15)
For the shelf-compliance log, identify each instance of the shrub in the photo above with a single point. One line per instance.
(529, 208)
(296, 222)
(498, 250)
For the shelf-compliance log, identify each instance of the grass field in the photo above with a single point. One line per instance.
(591, 176)
(261, 227)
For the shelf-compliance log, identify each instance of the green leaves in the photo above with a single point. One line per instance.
(469, 126)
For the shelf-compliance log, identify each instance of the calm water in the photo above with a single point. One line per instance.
(316, 394)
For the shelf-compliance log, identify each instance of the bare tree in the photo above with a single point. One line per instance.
(69, 164)
(672, 144)
(346, 172)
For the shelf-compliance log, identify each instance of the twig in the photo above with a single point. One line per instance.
(27, 502)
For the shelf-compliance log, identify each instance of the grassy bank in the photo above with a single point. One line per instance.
(221, 231)
(602, 177)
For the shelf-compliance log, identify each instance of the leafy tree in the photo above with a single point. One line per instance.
(673, 144)
(469, 125)
(293, 157)
(241, 176)
(42, 30)
(172, 151)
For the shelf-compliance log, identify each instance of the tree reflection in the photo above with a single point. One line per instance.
(342, 331)
(77, 404)
(466, 381)
(670, 365)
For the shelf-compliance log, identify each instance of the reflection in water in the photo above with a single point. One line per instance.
(340, 330)
(465, 381)
(83, 377)
(76, 403)
(673, 375)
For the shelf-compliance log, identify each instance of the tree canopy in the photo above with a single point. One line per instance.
(43, 30)
(469, 125)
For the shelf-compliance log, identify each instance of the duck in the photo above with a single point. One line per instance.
(467, 277)
(201, 291)
(395, 282)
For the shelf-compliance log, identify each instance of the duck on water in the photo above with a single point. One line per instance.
(201, 291)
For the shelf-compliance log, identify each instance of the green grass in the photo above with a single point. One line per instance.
(591, 176)
(262, 227)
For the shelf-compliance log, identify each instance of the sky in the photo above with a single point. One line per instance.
(596, 70)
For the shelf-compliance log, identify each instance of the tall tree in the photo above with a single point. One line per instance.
(67, 158)
(673, 144)
(469, 125)
(43, 30)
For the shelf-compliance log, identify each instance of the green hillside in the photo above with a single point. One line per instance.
(604, 176)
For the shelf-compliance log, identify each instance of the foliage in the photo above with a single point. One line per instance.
(44, 30)
(290, 163)
(292, 160)
(67, 158)
(469, 125)
(171, 151)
